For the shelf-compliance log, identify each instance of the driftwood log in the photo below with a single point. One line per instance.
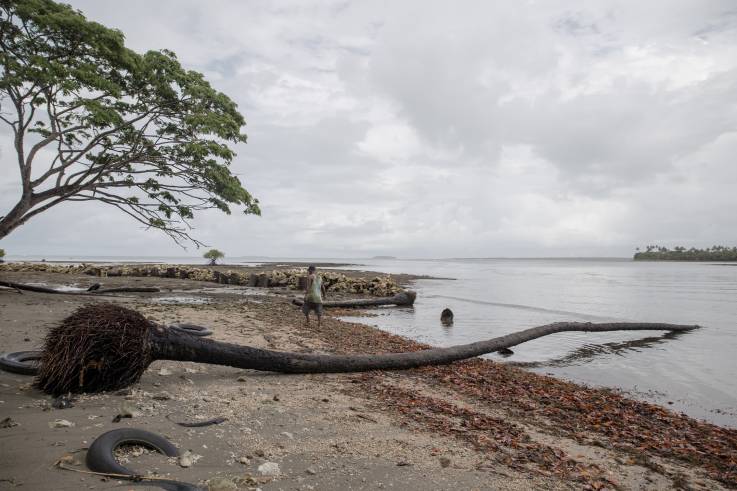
(402, 299)
(43, 289)
(108, 347)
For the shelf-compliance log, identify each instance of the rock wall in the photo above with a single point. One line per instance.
(380, 286)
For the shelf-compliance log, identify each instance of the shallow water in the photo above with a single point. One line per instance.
(695, 372)
(692, 372)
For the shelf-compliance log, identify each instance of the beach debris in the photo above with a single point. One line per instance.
(63, 402)
(106, 346)
(21, 362)
(61, 423)
(8, 423)
(270, 469)
(187, 459)
(446, 317)
(127, 410)
(221, 484)
(101, 460)
(405, 298)
(199, 424)
(43, 289)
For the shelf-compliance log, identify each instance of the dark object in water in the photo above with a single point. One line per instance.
(446, 317)
(505, 352)
(93, 287)
(105, 346)
(100, 456)
(22, 362)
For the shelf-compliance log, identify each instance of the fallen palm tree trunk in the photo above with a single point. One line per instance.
(43, 289)
(405, 298)
(107, 347)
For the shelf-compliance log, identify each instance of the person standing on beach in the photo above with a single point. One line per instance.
(314, 291)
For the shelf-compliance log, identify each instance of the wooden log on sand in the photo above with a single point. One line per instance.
(402, 299)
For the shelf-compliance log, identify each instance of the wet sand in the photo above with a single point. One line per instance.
(473, 425)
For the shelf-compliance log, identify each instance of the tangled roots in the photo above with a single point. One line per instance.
(99, 347)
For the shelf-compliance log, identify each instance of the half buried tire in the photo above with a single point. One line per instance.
(23, 362)
(100, 456)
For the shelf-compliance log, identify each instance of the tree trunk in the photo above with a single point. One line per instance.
(168, 345)
(406, 298)
(43, 289)
(14, 218)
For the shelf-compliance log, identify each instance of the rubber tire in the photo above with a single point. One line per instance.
(100, 457)
(22, 362)
(192, 329)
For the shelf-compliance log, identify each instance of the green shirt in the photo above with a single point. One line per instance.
(314, 289)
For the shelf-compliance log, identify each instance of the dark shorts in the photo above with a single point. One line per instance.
(307, 306)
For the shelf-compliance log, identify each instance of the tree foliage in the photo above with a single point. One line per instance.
(680, 253)
(213, 255)
(94, 121)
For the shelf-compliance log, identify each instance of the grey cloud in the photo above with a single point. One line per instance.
(425, 129)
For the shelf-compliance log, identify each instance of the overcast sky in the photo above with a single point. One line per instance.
(445, 129)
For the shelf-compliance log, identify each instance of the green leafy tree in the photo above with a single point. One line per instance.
(213, 255)
(2, 254)
(94, 121)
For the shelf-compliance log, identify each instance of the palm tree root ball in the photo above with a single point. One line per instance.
(108, 347)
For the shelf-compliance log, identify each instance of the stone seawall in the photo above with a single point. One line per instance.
(380, 286)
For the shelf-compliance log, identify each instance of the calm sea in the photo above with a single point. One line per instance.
(694, 372)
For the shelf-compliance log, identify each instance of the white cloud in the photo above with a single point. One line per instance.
(426, 129)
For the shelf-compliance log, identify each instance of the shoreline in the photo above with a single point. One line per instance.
(516, 427)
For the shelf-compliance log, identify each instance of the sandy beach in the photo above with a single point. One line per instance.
(471, 425)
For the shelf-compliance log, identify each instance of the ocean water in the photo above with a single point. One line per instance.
(695, 372)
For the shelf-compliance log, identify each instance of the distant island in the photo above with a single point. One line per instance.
(714, 253)
(383, 257)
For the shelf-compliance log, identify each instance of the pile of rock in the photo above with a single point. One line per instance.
(381, 286)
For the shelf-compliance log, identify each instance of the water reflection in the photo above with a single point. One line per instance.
(587, 352)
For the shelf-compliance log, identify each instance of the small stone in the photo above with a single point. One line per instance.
(8, 423)
(161, 396)
(244, 460)
(62, 402)
(276, 397)
(164, 372)
(444, 462)
(185, 460)
(270, 469)
(242, 379)
(60, 423)
(288, 435)
(311, 471)
(129, 410)
(259, 452)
